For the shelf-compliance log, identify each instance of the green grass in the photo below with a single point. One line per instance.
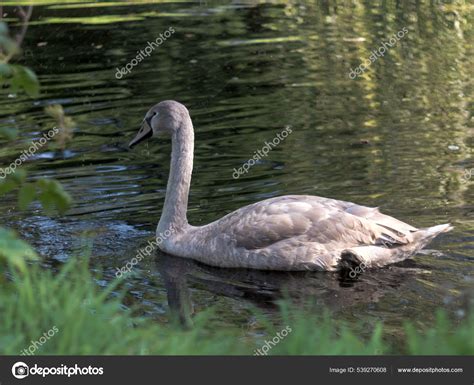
(91, 320)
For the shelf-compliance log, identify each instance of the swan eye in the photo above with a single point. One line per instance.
(150, 118)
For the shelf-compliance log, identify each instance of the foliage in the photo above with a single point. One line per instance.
(49, 192)
(315, 332)
(14, 251)
(88, 320)
(91, 320)
(16, 77)
(440, 340)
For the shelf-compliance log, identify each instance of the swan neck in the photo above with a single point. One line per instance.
(176, 202)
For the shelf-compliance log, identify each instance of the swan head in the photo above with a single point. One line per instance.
(164, 117)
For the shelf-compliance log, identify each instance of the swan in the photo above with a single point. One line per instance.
(287, 233)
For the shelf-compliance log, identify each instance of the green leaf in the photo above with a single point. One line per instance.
(19, 176)
(31, 85)
(6, 70)
(7, 185)
(53, 195)
(25, 79)
(26, 195)
(8, 45)
(14, 251)
(11, 181)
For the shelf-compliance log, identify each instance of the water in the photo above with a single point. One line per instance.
(399, 136)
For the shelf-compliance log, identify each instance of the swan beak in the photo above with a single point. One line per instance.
(145, 133)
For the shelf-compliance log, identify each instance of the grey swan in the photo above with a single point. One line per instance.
(287, 233)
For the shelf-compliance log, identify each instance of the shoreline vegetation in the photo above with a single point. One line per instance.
(66, 312)
(92, 320)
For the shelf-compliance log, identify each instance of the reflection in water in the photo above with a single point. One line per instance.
(264, 288)
(399, 137)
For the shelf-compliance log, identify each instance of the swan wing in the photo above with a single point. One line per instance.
(312, 219)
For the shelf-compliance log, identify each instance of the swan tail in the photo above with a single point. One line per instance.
(379, 255)
(428, 233)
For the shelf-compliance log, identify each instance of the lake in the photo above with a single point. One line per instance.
(396, 133)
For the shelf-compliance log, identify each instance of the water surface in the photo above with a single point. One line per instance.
(399, 136)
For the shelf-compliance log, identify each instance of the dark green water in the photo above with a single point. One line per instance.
(400, 136)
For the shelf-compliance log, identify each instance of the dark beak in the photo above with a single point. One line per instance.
(145, 133)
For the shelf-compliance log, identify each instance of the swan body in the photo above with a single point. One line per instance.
(289, 233)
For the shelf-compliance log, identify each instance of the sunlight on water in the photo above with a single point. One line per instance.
(398, 135)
